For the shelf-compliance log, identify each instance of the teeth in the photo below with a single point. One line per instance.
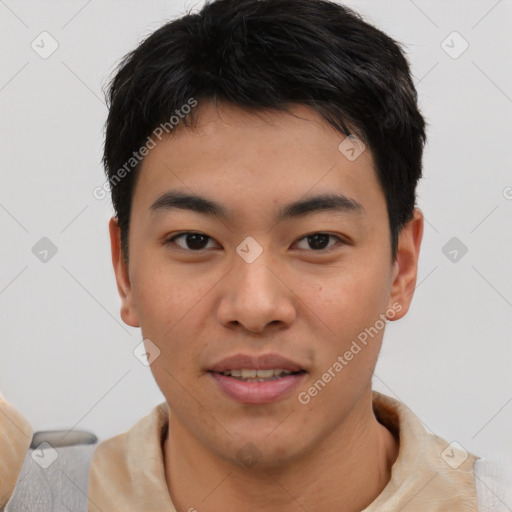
(248, 374)
(262, 374)
(252, 375)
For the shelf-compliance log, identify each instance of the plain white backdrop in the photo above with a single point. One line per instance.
(66, 358)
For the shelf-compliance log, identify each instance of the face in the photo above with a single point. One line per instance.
(254, 274)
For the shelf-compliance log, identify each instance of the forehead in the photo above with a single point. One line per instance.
(256, 159)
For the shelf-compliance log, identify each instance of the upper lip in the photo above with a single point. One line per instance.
(261, 362)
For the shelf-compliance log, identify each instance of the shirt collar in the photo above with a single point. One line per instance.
(127, 471)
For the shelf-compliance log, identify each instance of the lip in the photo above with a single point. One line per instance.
(261, 362)
(257, 393)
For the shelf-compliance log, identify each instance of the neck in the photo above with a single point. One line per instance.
(346, 471)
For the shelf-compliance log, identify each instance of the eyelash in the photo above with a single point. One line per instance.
(318, 251)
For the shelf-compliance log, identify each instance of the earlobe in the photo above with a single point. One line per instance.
(128, 311)
(405, 268)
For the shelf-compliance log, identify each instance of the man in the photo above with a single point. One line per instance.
(263, 157)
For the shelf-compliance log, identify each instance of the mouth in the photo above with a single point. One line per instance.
(256, 379)
(253, 375)
(256, 363)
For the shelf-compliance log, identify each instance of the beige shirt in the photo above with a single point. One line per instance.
(127, 471)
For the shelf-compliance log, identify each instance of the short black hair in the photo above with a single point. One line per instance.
(269, 55)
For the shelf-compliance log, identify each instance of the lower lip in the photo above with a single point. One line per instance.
(264, 392)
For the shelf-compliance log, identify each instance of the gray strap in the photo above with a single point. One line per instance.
(53, 480)
(493, 478)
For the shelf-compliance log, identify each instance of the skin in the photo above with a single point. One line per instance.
(303, 303)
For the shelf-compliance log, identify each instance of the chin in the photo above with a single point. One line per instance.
(257, 453)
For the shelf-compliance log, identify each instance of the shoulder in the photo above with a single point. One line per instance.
(124, 451)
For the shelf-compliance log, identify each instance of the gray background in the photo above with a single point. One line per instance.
(66, 358)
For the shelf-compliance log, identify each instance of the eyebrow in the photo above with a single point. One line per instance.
(338, 203)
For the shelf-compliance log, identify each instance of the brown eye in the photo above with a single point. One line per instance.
(319, 241)
(191, 241)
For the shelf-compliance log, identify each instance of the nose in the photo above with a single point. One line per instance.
(255, 296)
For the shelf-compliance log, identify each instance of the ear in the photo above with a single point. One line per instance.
(405, 267)
(128, 311)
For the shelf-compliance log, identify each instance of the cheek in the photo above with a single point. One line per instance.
(164, 297)
(349, 300)
(168, 309)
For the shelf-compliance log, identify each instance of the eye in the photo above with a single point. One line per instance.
(191, 241)
(320, 241)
